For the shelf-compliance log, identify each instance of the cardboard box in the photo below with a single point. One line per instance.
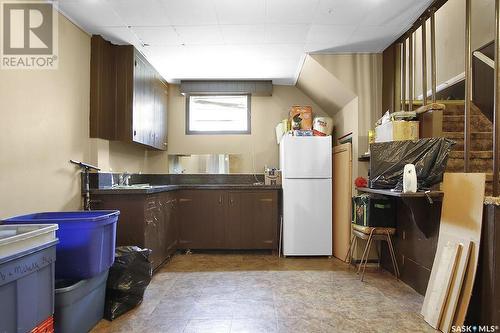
(398, 130)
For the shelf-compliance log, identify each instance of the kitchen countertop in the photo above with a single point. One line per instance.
(167, 188)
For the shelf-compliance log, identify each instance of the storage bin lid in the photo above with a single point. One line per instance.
(18, 238)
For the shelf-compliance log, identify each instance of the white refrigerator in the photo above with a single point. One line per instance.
(306, 167)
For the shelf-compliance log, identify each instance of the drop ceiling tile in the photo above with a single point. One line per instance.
(329, 34)
(395, 13)
(241, 11)
(157, 36)
(243, 34)
(91, 14)
(290, 11)
(200, 34)
(372, 34)
(120, 35)
(190, 12)
(286, 33)
(140, 12)
(342, 12)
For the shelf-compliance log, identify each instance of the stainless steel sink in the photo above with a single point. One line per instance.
(132, 186)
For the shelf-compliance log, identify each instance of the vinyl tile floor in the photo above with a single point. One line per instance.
(223, 293)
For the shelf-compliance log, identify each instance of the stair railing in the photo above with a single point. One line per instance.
(496, 103)
(468, 85)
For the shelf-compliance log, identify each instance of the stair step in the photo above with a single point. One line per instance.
(479, 140)
(459, 109)
(479, 123)
(479, 155)
(480, 161)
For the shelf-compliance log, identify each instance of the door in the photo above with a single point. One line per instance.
(307, 217)
(342, 199)
(306, 157)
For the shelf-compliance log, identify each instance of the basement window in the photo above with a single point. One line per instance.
(218, 114)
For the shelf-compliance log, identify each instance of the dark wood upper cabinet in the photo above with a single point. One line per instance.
(128, 98)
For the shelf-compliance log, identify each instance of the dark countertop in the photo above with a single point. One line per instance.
(401, 194)
(167, 188)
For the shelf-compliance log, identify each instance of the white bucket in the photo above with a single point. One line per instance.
(322, 126)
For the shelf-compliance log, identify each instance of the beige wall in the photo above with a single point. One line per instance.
(45, 122)
(450, 39)
(258, 149)
(362, 74)
(324, 88)
(359, 107)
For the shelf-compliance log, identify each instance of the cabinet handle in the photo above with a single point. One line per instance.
(220, 200)
(231, 201)
(185, 200)
(266, 200)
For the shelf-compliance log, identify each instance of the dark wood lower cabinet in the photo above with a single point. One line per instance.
(236, 220)
(415, 251)
(195, 219)
(148, 221)
(251, 220)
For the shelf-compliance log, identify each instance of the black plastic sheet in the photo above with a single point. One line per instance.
(387, 161)
(128, 279)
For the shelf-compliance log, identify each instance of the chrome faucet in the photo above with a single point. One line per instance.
(124, 179)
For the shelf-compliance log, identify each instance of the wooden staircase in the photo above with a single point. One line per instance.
(481, 154)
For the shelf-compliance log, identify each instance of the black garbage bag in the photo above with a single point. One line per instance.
(128, 279)
(387, 161)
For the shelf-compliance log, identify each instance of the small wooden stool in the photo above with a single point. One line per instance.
(370, 234)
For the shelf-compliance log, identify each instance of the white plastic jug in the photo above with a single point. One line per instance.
(409, 179)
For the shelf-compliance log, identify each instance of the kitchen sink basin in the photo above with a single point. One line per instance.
(132, 186)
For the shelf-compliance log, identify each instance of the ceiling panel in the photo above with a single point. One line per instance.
(243, 34)
(342, 12)
(119, 35)
(264, 39)
(241, 11)
(290, 11)
(286, 33)
(330, 34)
(190, 12)
(401, 12)
(199, 34)
(140, 13)
(91, 14)
(157, 36)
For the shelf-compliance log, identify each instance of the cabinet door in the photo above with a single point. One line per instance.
(170, 232)
(191, 226)
(252, 220)
(213, 207)
(138, 112)
(154, 230)
(265, 219)
(203, 219)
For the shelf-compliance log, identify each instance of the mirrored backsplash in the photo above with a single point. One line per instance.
(205, 164)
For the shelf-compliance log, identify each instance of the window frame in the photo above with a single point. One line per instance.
(249, 116)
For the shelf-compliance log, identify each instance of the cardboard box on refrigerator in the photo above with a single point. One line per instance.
(398, 130)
